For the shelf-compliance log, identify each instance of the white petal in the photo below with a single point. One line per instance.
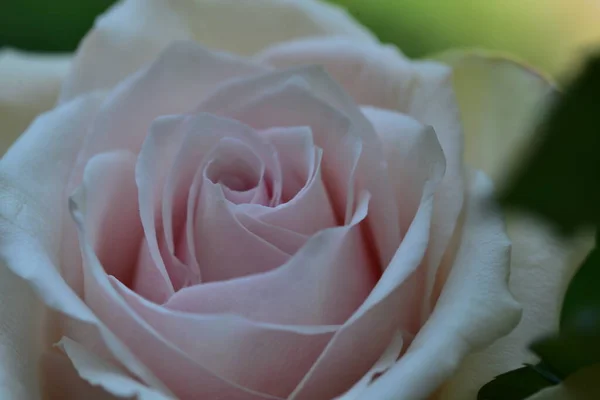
(29, 86)
(20, 322)
(499, 98)
(32, 185)
(499, 102)
(542, 264)
(101, 373)
(135, 31)
(474, 309)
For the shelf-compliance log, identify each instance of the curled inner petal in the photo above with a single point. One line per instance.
(239, 171)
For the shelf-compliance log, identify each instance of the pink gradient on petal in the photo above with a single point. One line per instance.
(235, 348)
(115, 231)
(352, 154)
(322, 284)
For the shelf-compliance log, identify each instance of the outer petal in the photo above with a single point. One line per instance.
(33, 176)
(474, 309)
(105, 375)
(499, 99)
(20, 320)
(135, 31)
(541, 266)
(29, 85)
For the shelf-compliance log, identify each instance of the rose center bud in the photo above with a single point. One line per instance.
(239, 172)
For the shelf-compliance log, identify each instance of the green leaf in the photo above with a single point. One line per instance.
(559, 181)
(580, 314)
(44, 25)
(517, 384)
(565, 354)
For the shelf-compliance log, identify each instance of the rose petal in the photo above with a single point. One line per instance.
(136, 31)
(490, 88)
(251, 348)
(363, 338)
(32, 204)
(381, 76)
(29, 86)
(185, 377)
(116, 230)
(63, 382)
(109, 377)
(322, 284)
(295, 145)
(311, 200)
(177, 81)
(408, 166)
(387, 360)
(215, 231)
(21, 316)
(239, 172)
(36, 168)
(309, 97)
(475, 307)
(212, 226)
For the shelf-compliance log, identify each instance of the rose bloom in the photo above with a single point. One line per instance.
(251, 200)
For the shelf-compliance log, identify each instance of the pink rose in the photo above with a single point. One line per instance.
(293, 224)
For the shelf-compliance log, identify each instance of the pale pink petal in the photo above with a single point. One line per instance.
(382, 77)
(206, 229)
(267, 358)
(115, 230)
(308, 212)
(322, 284)
(385, 362)
(157, 156)
(284, 239)
(475, 307)
(408, 166)
(177, 81)
(309, 97)
(134, 32)
(372, 74)
(224, 248)
(239, 171)
(296, 148)
(391, 306)
(183, 376)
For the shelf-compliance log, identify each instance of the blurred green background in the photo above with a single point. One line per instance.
(552, 35)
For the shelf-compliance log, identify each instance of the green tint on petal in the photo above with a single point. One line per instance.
(499, 101)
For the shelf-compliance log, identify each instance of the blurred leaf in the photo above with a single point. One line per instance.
(518, 384)
(560, 180)
(567, 353)
(499, 99)
(582, 385)
(43, 25)
(581, 306)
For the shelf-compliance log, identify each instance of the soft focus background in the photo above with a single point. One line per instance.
(551, 35)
